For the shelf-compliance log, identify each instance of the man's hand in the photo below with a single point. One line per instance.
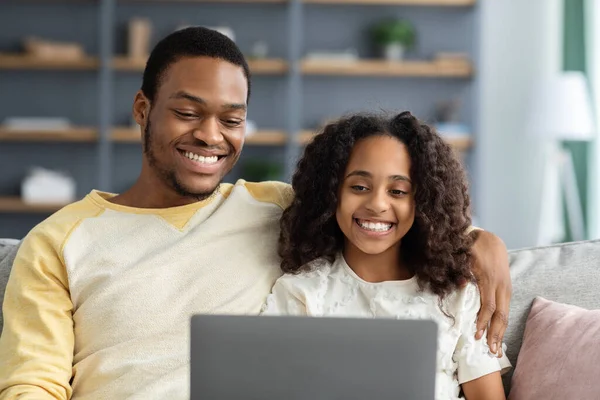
(491, 270)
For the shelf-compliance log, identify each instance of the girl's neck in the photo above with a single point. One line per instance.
(386, 266)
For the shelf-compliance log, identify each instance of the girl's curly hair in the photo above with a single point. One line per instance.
(437, 246)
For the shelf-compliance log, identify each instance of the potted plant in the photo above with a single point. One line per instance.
(394, 36)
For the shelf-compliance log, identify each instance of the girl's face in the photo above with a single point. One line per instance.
(376, 201)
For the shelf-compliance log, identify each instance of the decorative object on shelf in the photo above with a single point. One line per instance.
(225, 30)
(37, 124)
(447, 121)
(260, 50)
(139, 34)
(44, 186)
(251, 127)
(48, 49)
(394, 37)
(350, 54)
(256, 170)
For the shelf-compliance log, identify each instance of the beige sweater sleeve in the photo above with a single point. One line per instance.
(36, 346)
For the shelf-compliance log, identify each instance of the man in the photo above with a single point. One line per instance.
(100, 296)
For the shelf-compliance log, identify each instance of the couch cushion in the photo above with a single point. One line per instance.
(560, 353)
(8, 250)
(565, 273)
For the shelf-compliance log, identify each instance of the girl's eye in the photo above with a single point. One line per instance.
(358, 188)
(397, 192)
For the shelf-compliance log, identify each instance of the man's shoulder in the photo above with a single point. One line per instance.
(273, 192)
(57, 227)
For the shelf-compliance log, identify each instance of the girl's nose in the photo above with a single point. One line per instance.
(378, 202)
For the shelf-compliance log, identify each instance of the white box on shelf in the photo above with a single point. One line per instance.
(43, 186)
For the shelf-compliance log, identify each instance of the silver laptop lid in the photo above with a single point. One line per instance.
(304, 358)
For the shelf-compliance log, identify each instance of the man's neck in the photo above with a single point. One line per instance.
(157, 196)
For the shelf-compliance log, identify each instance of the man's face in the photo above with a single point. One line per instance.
(194, 128)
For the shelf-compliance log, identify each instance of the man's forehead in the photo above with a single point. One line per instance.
(202, 77)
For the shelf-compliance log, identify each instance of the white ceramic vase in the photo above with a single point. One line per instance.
(393, 51)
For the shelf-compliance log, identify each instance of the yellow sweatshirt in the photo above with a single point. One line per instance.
(99, 300)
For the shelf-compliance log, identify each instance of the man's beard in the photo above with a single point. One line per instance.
(168, 176)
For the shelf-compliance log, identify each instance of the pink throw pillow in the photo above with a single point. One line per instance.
(560, 355)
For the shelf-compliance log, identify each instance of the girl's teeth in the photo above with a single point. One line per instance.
(201, 159)
(375, 226)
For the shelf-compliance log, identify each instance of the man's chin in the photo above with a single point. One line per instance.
(197, 191)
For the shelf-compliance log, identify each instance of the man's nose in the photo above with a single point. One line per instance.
(209, 132)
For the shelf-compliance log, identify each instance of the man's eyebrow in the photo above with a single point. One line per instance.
(187, 96)
(235, 106)
(200, 100)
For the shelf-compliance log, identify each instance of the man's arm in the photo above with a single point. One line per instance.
(36, 346)
(491, 270)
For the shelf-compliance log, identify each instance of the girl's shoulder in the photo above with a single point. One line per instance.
(312, 275)
(465, 301)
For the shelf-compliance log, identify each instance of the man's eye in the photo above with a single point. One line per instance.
(233, 122)
(186, 115)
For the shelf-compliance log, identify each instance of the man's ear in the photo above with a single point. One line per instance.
(141, 109)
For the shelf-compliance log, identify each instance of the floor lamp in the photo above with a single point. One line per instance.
(561, 111)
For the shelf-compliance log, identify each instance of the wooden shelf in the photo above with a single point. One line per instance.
(267, 138)
(259, 138)
(206, 1)
(69, 135)
(383, 68)
(126, 135)
(133, 135)
(17, 61)
(459, 143)
(266, 66)
(16, 205)
(445, 3)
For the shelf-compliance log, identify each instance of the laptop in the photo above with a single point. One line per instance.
(309, 358)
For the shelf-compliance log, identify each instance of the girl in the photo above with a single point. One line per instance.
(379, 228)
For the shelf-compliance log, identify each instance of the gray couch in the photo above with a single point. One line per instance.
(567, 273)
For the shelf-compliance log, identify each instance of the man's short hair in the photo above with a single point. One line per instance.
(189, 42)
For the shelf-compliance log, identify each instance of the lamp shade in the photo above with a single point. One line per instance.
(561, 108)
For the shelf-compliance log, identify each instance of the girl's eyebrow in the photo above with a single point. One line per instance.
(400, 178)
(367, 174)
(359, 172)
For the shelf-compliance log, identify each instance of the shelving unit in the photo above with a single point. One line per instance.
(266, 66)
(260, 138)
(285, 80)
(378, 68)
(14, 205)
(17, 61)
(207, 1)
(69, 135)
(132, 135)
(443, 3)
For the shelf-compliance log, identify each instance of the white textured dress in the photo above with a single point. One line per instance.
(335, 290)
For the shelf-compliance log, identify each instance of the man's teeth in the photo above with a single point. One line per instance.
(201, 159)
(374, 226)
